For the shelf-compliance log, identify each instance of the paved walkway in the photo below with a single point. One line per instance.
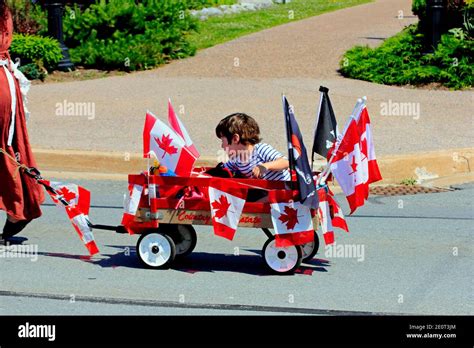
(294, 59)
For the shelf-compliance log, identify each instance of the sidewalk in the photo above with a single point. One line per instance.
(294, 59)
(434, 168)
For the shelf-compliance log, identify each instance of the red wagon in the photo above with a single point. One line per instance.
(164, 221)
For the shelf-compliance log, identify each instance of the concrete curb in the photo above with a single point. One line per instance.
(424, 167)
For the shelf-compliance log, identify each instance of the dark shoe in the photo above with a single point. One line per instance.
(13, 228)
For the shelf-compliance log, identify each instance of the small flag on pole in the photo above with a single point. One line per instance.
(298, 158)
(169, 148)
(325, 216)
(326, 132)
(78, 201)
(291, 220)
(349, 167)
(227, 201)
(367, 145)
(178, 127)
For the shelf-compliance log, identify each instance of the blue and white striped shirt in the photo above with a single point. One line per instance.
(262, 153)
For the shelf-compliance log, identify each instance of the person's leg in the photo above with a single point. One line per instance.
(13, 227)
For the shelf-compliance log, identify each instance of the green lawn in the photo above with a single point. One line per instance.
(217, 30)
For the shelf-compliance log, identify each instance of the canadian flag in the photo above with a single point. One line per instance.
(178, 127)
(338, 219)
(226, 207)
(367, 145)
(349, 167)
(168, 147)
(77, 208)
(291, 220)
(131, 205)
(325, 216)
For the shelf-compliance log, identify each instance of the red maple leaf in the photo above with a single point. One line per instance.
(165, 145)
(290, 218)
(222, 206)
(354, 165)
(67, 195)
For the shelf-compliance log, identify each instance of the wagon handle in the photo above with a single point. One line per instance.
(119, 229)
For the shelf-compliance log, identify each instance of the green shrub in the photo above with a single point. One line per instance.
(125, 35)
(23, 15)
(33, 72)
(36, 54)
(400, 61)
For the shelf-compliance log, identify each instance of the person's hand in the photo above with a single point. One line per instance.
(259, 171)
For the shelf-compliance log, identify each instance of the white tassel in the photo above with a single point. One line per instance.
(25, 85)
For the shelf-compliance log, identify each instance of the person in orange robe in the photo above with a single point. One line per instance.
(20, 195)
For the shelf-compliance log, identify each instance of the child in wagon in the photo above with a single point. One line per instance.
(248, 157)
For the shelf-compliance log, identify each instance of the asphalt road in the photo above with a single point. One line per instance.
(417, 259)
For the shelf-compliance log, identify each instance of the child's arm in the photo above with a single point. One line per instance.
(278, 164)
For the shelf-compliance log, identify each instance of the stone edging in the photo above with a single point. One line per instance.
(242, 6)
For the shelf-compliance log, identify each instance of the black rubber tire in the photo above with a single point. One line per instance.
(164, 238)
(291, 270)
(180, 234)
(309, 256)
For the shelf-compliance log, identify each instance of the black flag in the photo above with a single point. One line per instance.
(298, 159)
(326, 127)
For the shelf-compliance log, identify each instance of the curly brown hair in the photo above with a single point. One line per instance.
(243, 125)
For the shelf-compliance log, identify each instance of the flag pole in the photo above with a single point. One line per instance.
(149, 173)
(288, 132)
(170, 104)
(364, 103)
(325, 173)
(316, 126)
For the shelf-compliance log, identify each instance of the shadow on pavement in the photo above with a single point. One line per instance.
(15, 241)
(249, 264)
(120, 259)
(210, 262)
(373, 38)
(196, 262)
(85, 258)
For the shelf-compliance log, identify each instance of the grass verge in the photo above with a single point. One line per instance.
(217, 30)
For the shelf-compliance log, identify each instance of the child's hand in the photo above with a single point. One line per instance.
(259, 171)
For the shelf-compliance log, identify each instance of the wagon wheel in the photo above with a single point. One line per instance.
(281, 260)
(156, 250)
(310, 249)
(184, 237)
